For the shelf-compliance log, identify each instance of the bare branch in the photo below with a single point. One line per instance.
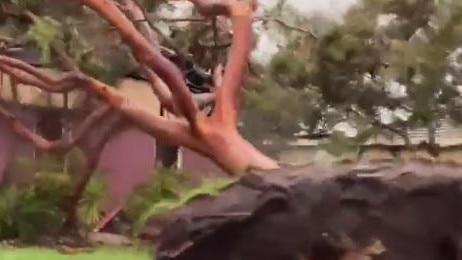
(216, 136)
(65, 143)
(182, 19)
(378, 123)
(227, 98)
(138, 15)
(112, 125)
(28, 74)
(161, 91)
(159, 88)
(175, 130)
(145, 54)
(218, 75)
(286, 25)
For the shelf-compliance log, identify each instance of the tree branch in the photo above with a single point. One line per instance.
(139, 16)
(163, 93)
(146, 54)
(27, 74)
(135, 12)
(286, 25)
(217, 136)
(174, 131)
(65, 143)
(227, 98)
(376, 122)
(112, 125)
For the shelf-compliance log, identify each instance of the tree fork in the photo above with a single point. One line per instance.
(216, 136)
(215, 132)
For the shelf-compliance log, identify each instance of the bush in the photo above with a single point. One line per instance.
(30, 211)
(174, 195)
(34, 210)
(163, 184)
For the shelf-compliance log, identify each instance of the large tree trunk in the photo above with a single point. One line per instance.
(386, 211)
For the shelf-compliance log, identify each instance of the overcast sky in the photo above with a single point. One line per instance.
(331, 8)
(267, 45)
(334, 9)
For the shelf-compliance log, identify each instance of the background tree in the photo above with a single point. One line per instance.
(385, 57)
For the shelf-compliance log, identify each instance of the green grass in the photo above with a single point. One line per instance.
(97, 254)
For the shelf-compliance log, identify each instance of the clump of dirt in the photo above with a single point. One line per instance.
(382, 211)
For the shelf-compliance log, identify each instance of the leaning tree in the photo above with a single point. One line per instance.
(215, 135)
(58, 31)
(379, 212)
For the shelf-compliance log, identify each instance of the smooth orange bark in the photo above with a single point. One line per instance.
(214, 136)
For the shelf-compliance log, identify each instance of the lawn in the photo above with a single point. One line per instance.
(97, 254)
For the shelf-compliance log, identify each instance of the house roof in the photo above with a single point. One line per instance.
(137, 90)
(446, 135)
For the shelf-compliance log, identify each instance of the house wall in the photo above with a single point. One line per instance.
(12, 147)
(126, 161)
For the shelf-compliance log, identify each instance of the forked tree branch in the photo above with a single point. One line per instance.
(216, 136)
(177, 131)
(146, 54)
(227, 95)
(159, 88)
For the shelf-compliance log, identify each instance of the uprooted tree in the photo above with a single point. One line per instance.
(328, 217)
(213, 135)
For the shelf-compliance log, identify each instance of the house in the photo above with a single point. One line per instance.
(126, 160)
(447, 136)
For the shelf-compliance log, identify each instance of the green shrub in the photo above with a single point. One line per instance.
(210, 186)
(163, 183)
(28, 212)
(33, 210)
(90, 205)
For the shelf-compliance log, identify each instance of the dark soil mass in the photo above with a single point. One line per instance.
(383, 211)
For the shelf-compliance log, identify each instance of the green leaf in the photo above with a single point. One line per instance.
(210, 187)
(44, 31)
(91, 202)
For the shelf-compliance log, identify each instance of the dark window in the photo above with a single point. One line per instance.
(166, 154)
(49, 124)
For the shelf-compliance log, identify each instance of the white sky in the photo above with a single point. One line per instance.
(267, 46)
(334, 9)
